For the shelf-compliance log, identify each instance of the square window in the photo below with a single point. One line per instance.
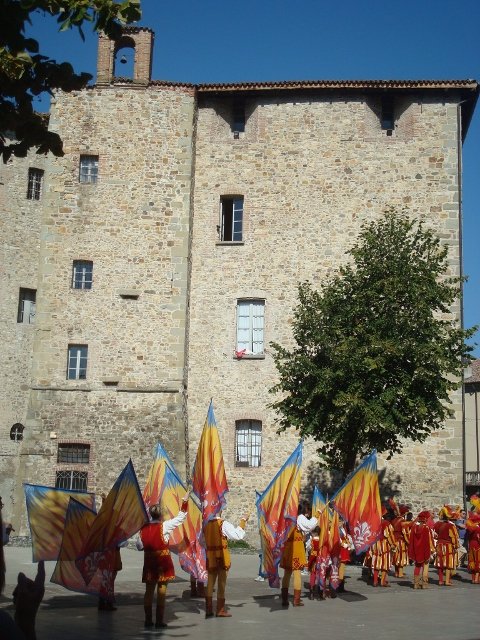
(72, 480)
(35, 183)
(26, 306)
(248, 443)
(250, 326)
(231, 213)
(77, 361)
(88, 169)
(82, 276)
(73, 453)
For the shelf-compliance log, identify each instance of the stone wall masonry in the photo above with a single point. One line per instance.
(315, 169)
(133, 224)
(160, 319)
(20, 220)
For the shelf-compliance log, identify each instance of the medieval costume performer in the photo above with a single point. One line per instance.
(447, 543)
(294, 558)
(420, 549)
(473, 528)
(313, 546)
(346, 548)
(216, 534)
(401, 530)
(158, 567)
(323, 563)
(380, 552)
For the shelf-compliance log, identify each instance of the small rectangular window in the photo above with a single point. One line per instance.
(238, 117)
(72, 480)
(88, 169)
(77, 361)
(35, 183)
(73, 453)
(26, 306)
(250, 326)
(387, 117)
(82, 276)
(231, 210)
(248, 443)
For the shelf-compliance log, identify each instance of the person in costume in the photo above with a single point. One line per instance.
(158, 567)
(294, 558)
(321, 567)
(381, 550)
(216, 534)
(401, 530)
(447, 543)
(346, 548)
(312, 548)
(473, 528)
(420, 549)
(462, 535)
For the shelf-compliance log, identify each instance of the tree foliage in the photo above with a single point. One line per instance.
(378, 349)
(26, 73)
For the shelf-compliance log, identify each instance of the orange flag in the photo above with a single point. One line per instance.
(209, 480)
(358, 502)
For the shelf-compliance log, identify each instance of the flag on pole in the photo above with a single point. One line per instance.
(277, 509)
(156, 476)
(46, 510)
(78, 522)
(121, 515)
(358, 502)
(164, 484)
(319, 501)
(209, 480)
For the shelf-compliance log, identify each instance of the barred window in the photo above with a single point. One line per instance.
(88, 169)
(35, 183)
(82, 276)
(73, 453)
(72, 480)
(16, 432)
(248, 443)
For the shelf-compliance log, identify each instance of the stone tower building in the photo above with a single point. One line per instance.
(165, 249)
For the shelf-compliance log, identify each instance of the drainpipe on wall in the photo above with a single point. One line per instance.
(460, 256)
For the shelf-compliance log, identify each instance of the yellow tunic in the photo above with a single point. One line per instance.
(293, 556)
(218, 555)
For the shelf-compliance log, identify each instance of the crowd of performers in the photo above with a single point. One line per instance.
(404, 540)
(321, 544)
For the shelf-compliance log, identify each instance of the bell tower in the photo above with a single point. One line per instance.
(140, 39)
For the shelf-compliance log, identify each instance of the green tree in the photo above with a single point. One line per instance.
(377, 348)
(26, 73)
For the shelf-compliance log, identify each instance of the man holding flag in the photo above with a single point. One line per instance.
(210, 485)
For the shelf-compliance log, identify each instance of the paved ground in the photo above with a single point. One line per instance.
(360, 614)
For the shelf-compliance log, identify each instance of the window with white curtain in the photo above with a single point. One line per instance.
(248, 443)
(250, 326)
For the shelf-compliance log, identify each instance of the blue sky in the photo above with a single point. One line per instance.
(223, 41)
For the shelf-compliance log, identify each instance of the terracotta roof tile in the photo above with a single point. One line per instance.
(341, 84)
